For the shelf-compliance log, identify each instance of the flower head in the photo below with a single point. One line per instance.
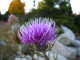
(38, 31)
(12, 19)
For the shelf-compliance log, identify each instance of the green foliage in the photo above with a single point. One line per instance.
(61, 15)
(60, 31)
(65, 7)
(4, 17)
(77, 23)
(48, 3)
(1, 17)
(66, 22)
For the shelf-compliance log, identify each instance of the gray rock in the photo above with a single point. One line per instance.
(52, 56)
(38, 57)
(17, 58)
(67, 37)
(63, 50)
(56, 56)
(76, 43)
(78, 37)
(20, 59)
(23, 58)
(3, 43)
(78, 51)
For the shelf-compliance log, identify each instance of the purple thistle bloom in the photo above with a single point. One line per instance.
(12, 19)
(38, 31)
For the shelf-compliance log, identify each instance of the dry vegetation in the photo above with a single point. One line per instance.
(7, 52)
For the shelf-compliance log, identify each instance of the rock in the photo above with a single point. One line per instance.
(76, 43)
(17, 59)
(63, 50)
(52, 56)
(67, 37)
(20, 59)
(56, 57)
(23, 58)
(78, 51)
(3, 43)
(29, 57)
(78, 37)
(38, 57)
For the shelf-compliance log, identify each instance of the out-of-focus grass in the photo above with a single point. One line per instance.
(7, 52)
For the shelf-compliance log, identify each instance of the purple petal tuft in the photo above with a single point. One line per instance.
(38, 31)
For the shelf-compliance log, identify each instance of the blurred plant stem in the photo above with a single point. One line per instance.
(46, 57)
(32, 55)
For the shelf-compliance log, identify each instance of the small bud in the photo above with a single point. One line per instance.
(15, 27)
(26, 49)
(42, 48)
(12, 19)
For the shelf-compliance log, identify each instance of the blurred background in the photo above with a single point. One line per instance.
(63, 12)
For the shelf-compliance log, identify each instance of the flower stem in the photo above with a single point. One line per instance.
(32, 55)
(46, 57)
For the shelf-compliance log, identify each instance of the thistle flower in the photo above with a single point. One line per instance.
(12, 19)
(37, 32)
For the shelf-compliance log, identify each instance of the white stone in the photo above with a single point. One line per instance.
(20, 59)
(67, 37)
(23, 59)
(78, 51)
(29, 57)
(63, 50)
(17, 59)
(53, 56)
(38, 57)
(76, 43)
(3, 43)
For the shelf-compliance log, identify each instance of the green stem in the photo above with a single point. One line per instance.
(46, 57)
(32, 57)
